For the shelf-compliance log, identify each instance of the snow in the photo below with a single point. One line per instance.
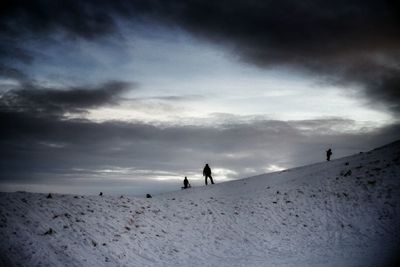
(316, 215)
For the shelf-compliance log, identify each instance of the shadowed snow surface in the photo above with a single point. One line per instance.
(340, 213)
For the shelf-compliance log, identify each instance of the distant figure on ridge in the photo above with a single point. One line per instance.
(207, 174)
(186, 183)
(328, 154)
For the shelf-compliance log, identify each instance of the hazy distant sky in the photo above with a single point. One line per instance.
(131, 96)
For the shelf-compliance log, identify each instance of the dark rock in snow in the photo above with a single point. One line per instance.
(348, 173)
(49, 232)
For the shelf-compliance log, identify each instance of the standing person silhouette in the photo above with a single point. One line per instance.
(207, 174)
(328, 154)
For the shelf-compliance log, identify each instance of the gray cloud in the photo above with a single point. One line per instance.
(351, 42)
(85, 19)
(342, 42)
(41, 100)
(13, 73)
(52, 149)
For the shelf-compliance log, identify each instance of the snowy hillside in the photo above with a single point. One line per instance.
(340, 213)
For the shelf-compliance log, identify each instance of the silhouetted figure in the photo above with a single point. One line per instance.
(49, 196)
(148, 196)
(101, 193)
(328, 154)
(186, 183)
(207, 174)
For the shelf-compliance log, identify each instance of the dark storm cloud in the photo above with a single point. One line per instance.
(87, 19)
(13, 73)
(34, 145)
(349, 42)
(381, 83)
(49, 101)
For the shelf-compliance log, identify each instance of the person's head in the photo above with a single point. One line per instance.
(185, 178)
(206, 164)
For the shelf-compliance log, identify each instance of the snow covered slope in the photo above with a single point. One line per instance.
(340, 213)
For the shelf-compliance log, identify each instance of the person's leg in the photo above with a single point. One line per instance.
(212, 182)
(205, 177)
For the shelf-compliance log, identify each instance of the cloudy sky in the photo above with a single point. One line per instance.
(128, 97)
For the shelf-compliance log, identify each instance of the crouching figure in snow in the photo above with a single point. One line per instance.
(207, 174)
(186, 183)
